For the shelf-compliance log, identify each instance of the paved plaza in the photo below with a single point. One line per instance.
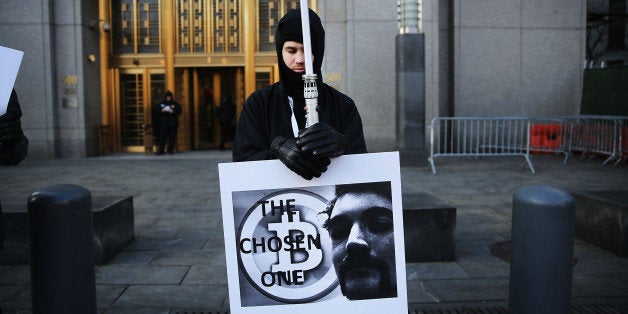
(176, 263)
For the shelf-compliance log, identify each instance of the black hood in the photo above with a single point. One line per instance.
(168, 93)
(289, 29)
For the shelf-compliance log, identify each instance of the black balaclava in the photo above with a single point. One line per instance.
(289, 29)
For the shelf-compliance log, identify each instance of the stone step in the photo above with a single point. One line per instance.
(113, 229)
(428, 224)
(602, 219)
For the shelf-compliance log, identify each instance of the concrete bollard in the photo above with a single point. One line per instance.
(62, 258)
(541, 266)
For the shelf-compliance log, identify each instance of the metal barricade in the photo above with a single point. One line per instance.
(551, 135)
(622, 143)
(599, 135)
(479, 136)
(581, 135)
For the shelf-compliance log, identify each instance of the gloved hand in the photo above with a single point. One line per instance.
(322, 141)
(303, 164)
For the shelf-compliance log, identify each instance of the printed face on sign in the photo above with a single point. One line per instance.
(361, 228)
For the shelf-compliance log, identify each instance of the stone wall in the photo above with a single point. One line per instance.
(360, 61)
(518, 57)
(58, 88)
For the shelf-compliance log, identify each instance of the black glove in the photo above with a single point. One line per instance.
(323, 141)
(303, 164)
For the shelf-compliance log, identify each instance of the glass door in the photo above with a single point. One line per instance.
(137, 91)
(210, 86)
(131, 111)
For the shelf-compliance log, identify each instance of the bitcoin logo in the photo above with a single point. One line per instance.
(291, 222)
(283, 251)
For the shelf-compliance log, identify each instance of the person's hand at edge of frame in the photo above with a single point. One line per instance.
(10, 131)
(321, 140)
(303, 164)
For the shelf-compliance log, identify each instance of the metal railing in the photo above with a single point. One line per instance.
(623, 139)
(522, 136)
(580, 136)
(551, 135)
(479, 136)
(601, 135)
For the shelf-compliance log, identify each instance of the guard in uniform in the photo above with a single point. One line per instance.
(167, 118)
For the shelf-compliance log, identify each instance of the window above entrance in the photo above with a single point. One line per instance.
(199, 26)
(206, 26)
(135, 26)
(270, 11)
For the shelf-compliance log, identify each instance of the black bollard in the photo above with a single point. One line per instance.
(62, 258)
(541, 266)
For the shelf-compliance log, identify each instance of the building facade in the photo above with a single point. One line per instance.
(92, 69)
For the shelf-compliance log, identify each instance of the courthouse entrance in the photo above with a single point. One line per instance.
(201, 91)
(198, 90)
(201, 50)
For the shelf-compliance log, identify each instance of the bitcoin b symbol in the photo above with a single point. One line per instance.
(292, 222)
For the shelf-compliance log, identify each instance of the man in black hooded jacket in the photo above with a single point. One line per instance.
(272, 122)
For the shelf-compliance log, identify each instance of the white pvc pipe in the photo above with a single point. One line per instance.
(307, 41)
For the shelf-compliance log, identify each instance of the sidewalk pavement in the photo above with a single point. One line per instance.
(177, 263)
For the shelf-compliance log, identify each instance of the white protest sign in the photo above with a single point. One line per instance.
(331, 244)
(10, 60)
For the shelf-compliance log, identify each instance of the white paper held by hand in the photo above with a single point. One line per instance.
(10, 60)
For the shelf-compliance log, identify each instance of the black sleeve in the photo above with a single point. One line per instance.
(1, 230)
(352, 128)
(250, 142)
(13, 155)
(177, 109)
(14, 150)
(154, 113)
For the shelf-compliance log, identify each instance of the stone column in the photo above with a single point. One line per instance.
(77, 110)
(410, 85)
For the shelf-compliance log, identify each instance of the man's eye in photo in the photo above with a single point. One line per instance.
(339, 232)
(380, 224)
